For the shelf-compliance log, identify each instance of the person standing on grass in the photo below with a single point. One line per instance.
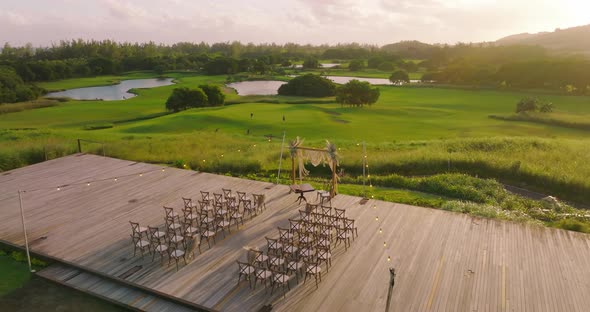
(251, 115)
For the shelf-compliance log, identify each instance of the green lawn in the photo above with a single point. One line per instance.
(409, 131)
(13, 274)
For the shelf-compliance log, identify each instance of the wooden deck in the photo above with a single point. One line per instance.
(444, 261)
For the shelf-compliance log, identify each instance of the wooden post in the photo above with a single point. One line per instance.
(293, 168)
(22, 215)
(79, 146)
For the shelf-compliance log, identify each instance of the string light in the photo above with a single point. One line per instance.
(184, 165)
(380, 231)
(376, 218)
(116, 179)
(239, 151)
(88, 184)
(388, 259)
(203, 160)
(255, 144)
(58, 188)
(374, 206)
(141, 174)
(163, 169)
(221, 155)
(384, 244)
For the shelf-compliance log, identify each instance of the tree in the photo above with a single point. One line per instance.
(184, 98)
(308, 85)
(546, 107)
(527, 104)
(357, 93)
(399, 77)
(215, 96)
(356, 65)
(311, 63)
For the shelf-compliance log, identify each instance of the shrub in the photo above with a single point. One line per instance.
(527, 104)
(399, 77)
(357, 93)
(215, 97)
(308, 85)
(356, 65)
(184, 98)
(572, 225)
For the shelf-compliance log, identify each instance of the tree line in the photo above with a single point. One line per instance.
(465, 64)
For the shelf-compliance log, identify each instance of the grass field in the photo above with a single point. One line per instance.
(412, 131)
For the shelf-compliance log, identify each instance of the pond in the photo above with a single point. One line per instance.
(259, 87)
(271, 87)
(113, 92)
(373, 81)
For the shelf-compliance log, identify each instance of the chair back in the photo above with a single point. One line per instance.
(340, 213)
(226, 193)
(135, 229)
(169, 212)
(205, 196)
(188, 202)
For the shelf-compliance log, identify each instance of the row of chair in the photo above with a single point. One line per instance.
(300, 249)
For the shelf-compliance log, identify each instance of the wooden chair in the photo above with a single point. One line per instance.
(285, 236)
(349, 226)
(246, 270)
(155, 232)
(276, 262)
(309, 207)
(339, 213)
(176, 254)
(139, 230)
(313, 268)
(190, 217)
(262, 274)
(188, 203)
(222, 220)
(342, 235)
(192, 236)
(260, 259)
(236, 216)
(274, 246)
(174, 240)
(324, 236)
(205, 206)
(248, 208)
(295, 265)
(171, 214)
(139, 243)
(279, 277)
(218, 200)
(242, 198)
(306, 251)
(227, 194)
(259, 201)
(324, 255)
(173, 224)
(207, 231)
(295, 226)
(326, 211)
(156, 237)
(206, 198)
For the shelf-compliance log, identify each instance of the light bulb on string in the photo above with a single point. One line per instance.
(141, 174)
(116, 179)
(204, 160)
(221, 155)
(374, 206)
(184, 165)
(239, 151)
(376, 218)
(384, 244)
(380, 231)
(388, 259)
(163, 169)
(59, 188)
(88, 184)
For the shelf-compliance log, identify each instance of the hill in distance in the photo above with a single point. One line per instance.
(569, 40)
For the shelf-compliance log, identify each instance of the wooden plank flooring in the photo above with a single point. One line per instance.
(444, 261)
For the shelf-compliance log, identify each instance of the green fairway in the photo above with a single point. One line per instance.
(409, 131)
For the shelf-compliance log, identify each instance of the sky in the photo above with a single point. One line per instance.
(43, 22)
